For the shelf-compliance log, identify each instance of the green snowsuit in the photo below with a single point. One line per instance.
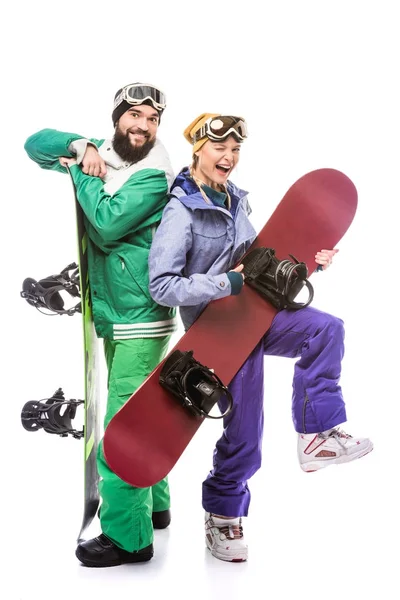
(121, 215)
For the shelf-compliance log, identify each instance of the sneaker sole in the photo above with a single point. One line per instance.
(317, 465)
(238, 557)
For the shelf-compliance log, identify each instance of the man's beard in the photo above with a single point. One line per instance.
(123, 147)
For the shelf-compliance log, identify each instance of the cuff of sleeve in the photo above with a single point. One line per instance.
(74, 170)
(77, 174)
(236, 281)
(78, 148)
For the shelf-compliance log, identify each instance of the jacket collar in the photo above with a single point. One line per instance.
(114, 160)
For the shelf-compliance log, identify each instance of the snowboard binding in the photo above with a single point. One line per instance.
(45, 294)
(278, 281)
(196, 387)
(47, 414)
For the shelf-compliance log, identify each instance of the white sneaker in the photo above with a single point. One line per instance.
(332, 447)
(224, 538)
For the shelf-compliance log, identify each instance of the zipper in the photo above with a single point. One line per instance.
(122, 264)
(306, 401)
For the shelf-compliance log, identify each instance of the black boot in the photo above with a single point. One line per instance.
(102, 552)
(161, 519)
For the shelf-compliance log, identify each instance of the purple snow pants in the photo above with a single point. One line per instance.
(316, 338)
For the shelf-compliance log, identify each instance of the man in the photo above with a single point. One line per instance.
(122, 187)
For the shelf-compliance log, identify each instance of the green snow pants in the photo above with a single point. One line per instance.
(125, 515)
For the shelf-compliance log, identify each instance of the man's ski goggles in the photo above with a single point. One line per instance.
(137, 93)
(219, 128)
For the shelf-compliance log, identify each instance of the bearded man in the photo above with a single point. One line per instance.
(122, 186)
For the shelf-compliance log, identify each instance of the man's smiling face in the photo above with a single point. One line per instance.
(139, 124)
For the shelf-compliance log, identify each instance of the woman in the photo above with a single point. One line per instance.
(203, 234)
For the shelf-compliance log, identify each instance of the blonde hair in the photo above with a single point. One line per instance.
(200, 184)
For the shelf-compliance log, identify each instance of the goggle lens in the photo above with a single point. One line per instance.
(137, 94)
(221, 125)
(219, 128)
(144, 91)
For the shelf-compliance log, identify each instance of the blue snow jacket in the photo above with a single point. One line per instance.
(195, 246)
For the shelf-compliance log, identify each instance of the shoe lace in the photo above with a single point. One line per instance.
(339, 435)
(232, 532)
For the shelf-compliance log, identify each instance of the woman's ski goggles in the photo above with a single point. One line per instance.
(219, 128)
(137, 93)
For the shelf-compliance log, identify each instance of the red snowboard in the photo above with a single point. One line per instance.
(147, 436)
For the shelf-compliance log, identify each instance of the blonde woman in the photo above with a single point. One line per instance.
(195, 258)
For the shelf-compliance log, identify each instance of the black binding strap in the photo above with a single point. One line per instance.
(197, 387)
(278, 281)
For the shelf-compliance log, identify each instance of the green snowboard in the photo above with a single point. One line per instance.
(91, 380)
(55, 414)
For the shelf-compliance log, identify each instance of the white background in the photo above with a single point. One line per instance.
(317, 83)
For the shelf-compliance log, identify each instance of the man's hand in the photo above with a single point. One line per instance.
(93, 164)
(325, 257)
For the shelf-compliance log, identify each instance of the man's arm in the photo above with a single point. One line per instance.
(138, 203)
(46, 146)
